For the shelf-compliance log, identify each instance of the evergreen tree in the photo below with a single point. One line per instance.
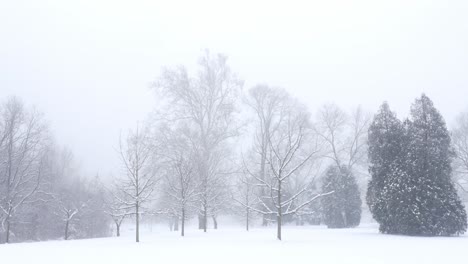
(431, 204)
(342, 208)
(384, 148)
(411, 191)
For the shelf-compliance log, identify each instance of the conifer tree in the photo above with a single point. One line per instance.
(384, 147)
(342, 208)
(411, 191)
(432, 204)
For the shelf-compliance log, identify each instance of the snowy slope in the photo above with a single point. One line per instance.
(234, 245)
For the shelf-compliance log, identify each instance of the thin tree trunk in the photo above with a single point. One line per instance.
(137, 231)
(7, 238)
(66, 229)
(205, 218)
(176, 223)
(118, 229)
(263, 157)
(345, 218)
(280, 213)
(215, 223)
(200, 221)
(182, 232)
(262, 175)
(247, 219)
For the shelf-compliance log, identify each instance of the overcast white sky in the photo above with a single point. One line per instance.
(88, 64)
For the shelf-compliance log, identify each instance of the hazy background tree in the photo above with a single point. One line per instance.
(267, 104)
(115, 206)
(245, 194)
(180, 183)
(139, 180)
(460, 145)
(206, 105)
(23, 148)
(345, 137)
(342, 208)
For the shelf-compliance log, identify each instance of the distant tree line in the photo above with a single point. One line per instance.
(42, 194)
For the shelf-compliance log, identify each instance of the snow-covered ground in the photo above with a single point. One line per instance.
(234, 245)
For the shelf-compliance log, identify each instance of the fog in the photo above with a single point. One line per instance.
(88, 65)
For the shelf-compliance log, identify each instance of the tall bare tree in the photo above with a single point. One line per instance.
(268, 104)
(23, 148)
(137, 186)
(206, 105)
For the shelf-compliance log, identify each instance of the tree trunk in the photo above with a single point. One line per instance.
(7, 234)
(247, 219)
(263, 157)
(137, 230)
(182, 228)
(176, 223)
(118, 229)
(66, 229)
(345, 218)
(205, 218)
(215, 223)
(200, 221)
(280, 213)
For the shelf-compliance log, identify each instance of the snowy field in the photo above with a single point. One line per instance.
(234, 245)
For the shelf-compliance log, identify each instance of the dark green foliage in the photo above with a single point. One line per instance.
(385, 140)
(342, 208)
(414, 195)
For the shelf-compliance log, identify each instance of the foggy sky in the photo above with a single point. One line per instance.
(88, 64)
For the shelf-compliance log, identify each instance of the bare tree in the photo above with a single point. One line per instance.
(140, 179)
(267, 104)
(290, 148)
(244, 194)
(180, 183)
(23, 148)
(206, 105)
(70, 204)
(345, 135)
(460, 145)
(116, 207)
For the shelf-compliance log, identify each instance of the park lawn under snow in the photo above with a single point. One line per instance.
(234, 245)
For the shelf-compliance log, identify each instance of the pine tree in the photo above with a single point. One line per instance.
(385, 139)
(342, 208)
(432, 206)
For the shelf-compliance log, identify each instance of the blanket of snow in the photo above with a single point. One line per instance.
(306, 244)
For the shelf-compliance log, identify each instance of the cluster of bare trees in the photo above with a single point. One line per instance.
(198, 157)
(186, 148)
(41, 195)
(289, 150)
